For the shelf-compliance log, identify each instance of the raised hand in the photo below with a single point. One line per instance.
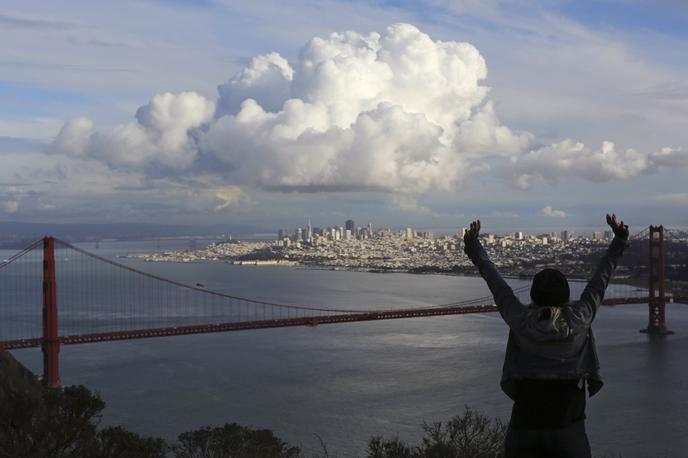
(619, 228)
(472, 233)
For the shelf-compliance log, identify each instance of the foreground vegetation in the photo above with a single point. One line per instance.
(59, 423)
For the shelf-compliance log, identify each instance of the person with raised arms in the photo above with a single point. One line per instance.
(550, 353)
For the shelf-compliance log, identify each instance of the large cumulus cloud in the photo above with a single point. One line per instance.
(394, 111)
(391, 112)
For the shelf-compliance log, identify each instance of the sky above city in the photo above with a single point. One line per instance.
(525, 114)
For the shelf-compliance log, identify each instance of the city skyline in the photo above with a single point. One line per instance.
(349, 230)
(428, 114)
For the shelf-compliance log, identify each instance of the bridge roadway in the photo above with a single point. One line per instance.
(289, 322)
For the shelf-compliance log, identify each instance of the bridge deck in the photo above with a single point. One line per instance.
(287, 322)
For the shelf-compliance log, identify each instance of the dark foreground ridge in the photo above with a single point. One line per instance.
(41, 422)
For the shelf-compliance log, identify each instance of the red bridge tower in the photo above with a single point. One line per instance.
(656, 288)
(51, 340)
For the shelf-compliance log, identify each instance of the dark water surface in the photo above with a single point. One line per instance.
(347, 382)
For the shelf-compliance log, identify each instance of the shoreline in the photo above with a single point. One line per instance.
(426, 270)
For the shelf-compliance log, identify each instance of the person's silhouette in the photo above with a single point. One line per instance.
(550, 353)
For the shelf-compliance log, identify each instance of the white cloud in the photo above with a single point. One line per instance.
(229, 196)
(160, 133)
(670, 157)
(267, 80)
(569, 158)
(549, 211)
(73, 138)
(393, 112)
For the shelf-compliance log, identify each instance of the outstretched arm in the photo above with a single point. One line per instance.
(511, 309)
(590, 300)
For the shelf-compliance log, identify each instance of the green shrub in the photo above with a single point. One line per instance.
(471, 435)
(233, 441)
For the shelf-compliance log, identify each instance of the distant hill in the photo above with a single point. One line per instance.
(18, 234)
(15, 379)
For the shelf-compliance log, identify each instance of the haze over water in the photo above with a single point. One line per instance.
(347, 382)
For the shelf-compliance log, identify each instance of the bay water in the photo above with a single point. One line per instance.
(344, 383)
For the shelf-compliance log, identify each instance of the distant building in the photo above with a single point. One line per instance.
(518, 235)
(349, 225)
(597, 235)
(565, 236)
(608, 235)
(410, 233)
(280, 234)
(299, 234)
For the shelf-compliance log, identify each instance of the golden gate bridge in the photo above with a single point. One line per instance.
(53, 293)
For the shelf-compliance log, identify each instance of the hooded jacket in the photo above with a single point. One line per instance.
(554, 343)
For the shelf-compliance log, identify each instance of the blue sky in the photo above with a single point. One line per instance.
(588, 71)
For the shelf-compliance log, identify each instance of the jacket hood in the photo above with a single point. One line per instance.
(546, 324)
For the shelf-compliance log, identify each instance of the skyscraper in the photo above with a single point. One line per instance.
(350, 225)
